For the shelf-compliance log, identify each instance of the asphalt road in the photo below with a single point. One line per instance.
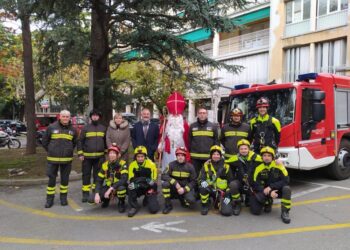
(320, 220)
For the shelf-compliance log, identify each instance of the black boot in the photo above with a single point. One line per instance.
(121, 205)
(63, 198)
(167, 206)
(85, 196)
(132, 212)
(268, 205)
(205, 209)
(236, 207)
(145, 201)
(49, 201)
(285, 215)
(105, 203)
(91, 199)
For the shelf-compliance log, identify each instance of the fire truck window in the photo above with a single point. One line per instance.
(307, 125)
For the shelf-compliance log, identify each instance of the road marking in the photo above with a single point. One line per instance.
(251, 235)
(156, 227)
(308, 191)
(326, 185)
(74, 205)
(52, 215)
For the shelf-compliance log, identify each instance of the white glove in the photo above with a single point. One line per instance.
(204, 184)
(131, 186)
(227, 200)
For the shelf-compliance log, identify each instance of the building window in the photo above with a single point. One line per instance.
(296, 62)
(326, 7)
(330, 56)
(297, 11)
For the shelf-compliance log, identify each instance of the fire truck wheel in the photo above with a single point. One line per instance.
(340, 168)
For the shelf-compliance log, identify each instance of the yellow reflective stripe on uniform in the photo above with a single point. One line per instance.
(62, 136)
(95, 134)
(203, 133)
(86, 188)
(221, 183)
(80, 152)
(101, 175)
(172, 181)
(121, 191)
(276, 123)
(282, 168)
(236, 133)
(124, 171)
(93, 154)
(50, 190)
(59, 159)
(187, 188)
(93, 186)
(252, 122)
(180, 174)
(236, 196)
(200, 155)
(228, 156)
(204, 198)
(233, 158)
(63, 189)
(258, 169)
(286, 203)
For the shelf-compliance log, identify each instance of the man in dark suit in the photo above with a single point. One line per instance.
(145, 133)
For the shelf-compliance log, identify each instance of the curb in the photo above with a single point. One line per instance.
(30, 182)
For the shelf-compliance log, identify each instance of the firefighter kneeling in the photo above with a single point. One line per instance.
(270, 181)
(178, 181)
(215, 180)
(112, 180)
(242, 165)
(142, 181)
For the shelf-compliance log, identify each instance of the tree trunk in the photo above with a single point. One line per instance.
(29, 105)
(99, 60)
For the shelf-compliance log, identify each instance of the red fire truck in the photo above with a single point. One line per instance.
(314, 113)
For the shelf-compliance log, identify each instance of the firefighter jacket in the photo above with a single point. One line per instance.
(59, 141)
(182, 173)
(112, 174)
(217, 174)
(201, 137)
(92, 143)
(146, 170)
(231, 134)
(269, 175)
(242, 167)
(265, 132)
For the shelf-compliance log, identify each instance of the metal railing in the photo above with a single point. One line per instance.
(299, 28)
(207, 49)
(332, 20)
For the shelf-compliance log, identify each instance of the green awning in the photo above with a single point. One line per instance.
(252, 17)
(196, 35)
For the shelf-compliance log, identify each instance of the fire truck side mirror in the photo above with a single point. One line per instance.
(318, 112)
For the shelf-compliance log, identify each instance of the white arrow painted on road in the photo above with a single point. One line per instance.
(157, 227)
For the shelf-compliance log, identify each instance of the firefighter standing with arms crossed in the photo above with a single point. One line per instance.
(112, 179)
(215, 181)
(234, 131)
(202, 135)
(178, 181)
(270, 180)
(91, 151)
(242, 166)
(59, 141)
(265, 128)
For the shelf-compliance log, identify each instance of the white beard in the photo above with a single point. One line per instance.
(175, 130)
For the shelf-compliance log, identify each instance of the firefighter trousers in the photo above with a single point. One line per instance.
(52, 170)
(120, 192)
(259, 200)
(90, 165)
(237, 188)
(150, 193)
(221, 198)
(170, 192)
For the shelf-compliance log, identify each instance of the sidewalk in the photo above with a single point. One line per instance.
(39, 181)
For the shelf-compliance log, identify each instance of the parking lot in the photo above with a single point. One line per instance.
(320, 220)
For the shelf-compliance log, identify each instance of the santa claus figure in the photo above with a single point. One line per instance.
(174, 129)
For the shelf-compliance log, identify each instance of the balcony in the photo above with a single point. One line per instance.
(251, 41)
(296, 29)
(207, 49)
(332, 20)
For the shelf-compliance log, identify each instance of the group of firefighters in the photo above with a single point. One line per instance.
(245, 169)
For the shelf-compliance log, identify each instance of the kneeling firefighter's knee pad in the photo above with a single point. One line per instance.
(153, 204)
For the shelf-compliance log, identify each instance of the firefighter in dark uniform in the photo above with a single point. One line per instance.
(265, 128)
(242, 166)
(178, 181)
(270, 180)
(215, 181)
(142, 181)
(232, 132)
(112, 180)
(59, 141)
(202, 135)
(91, 150)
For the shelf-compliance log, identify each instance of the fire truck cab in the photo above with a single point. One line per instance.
(314, 113)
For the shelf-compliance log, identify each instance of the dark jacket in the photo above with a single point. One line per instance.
(231, 134)
(59, 141)
(269, 175)
(217, 174)
(112, 175)
(201, 137)
(182, 173)
(91, 142)
(151, 140)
